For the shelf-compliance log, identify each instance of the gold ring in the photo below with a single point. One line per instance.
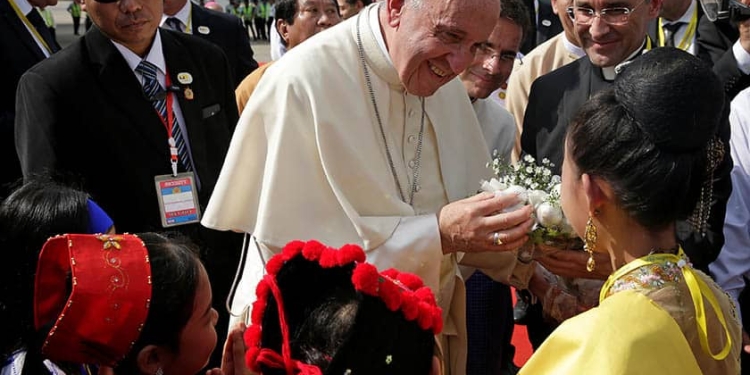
(496, 239)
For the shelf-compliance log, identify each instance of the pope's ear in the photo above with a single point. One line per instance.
(395, 10)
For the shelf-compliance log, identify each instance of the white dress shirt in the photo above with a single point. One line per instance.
(156, 57)
(733, 262)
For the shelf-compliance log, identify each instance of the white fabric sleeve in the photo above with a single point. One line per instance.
(415, 247)
(742, 57)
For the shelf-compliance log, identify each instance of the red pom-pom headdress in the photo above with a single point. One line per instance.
(399, 291)
(101, 317)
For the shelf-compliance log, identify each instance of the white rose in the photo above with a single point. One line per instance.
(519, 191)
(537, 197)
(549, 215)
(485, 186)
(497, 185)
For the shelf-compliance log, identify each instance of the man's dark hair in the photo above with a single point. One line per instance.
(364, 2)
(286, 9)
(37, 210)
(516, 11)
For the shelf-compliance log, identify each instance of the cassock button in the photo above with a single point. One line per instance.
(412, 138)
(412, 163)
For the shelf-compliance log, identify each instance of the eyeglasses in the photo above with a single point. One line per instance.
(484, 51)
(611, 16)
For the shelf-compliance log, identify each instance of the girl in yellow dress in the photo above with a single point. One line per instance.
(638, 157)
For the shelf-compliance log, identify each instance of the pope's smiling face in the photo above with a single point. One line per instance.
(435, 40)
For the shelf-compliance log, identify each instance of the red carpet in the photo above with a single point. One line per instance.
(520, 340)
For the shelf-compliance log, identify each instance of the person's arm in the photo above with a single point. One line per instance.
(733, 65)
(572, 264)
(714, 39)
(36, 119)
(733, 263)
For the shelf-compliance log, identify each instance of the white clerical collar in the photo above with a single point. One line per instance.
(24, 6)
(155, 55)
(610, 72)
(375, 26)
(686, 17)
(183, 15)
(572, 48)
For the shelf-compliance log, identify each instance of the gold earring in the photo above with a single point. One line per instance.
(589, 243)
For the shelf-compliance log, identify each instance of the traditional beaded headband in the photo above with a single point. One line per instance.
(399, 291)
(95, 291)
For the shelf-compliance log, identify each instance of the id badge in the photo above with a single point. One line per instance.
(178, 199)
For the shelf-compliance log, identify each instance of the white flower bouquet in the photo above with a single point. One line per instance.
(537, 186)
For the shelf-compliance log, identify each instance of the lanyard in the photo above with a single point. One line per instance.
(687, 39)
(169, 124)
(697, 287)
(31, 27)
(189, 24)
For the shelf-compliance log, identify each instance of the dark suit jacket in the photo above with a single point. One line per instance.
(548, 25)
(555, 98)
(18, 53)
(715, 41)
(83, 111)
(653, 31)
(227, 32)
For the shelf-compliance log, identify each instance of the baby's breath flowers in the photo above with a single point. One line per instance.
(537, 186)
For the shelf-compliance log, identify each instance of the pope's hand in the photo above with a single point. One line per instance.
(476, 224)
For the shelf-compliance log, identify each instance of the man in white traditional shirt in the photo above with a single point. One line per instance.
(388, 167)
(489, 305)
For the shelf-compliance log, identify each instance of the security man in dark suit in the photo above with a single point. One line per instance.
(224, 30)
(24, 41)
(144, 117)
(544, 24)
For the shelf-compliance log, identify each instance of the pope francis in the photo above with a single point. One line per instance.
(363, 134)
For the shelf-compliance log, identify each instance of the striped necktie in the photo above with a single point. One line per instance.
(155, 94)
(175, 24)
(670, 30)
